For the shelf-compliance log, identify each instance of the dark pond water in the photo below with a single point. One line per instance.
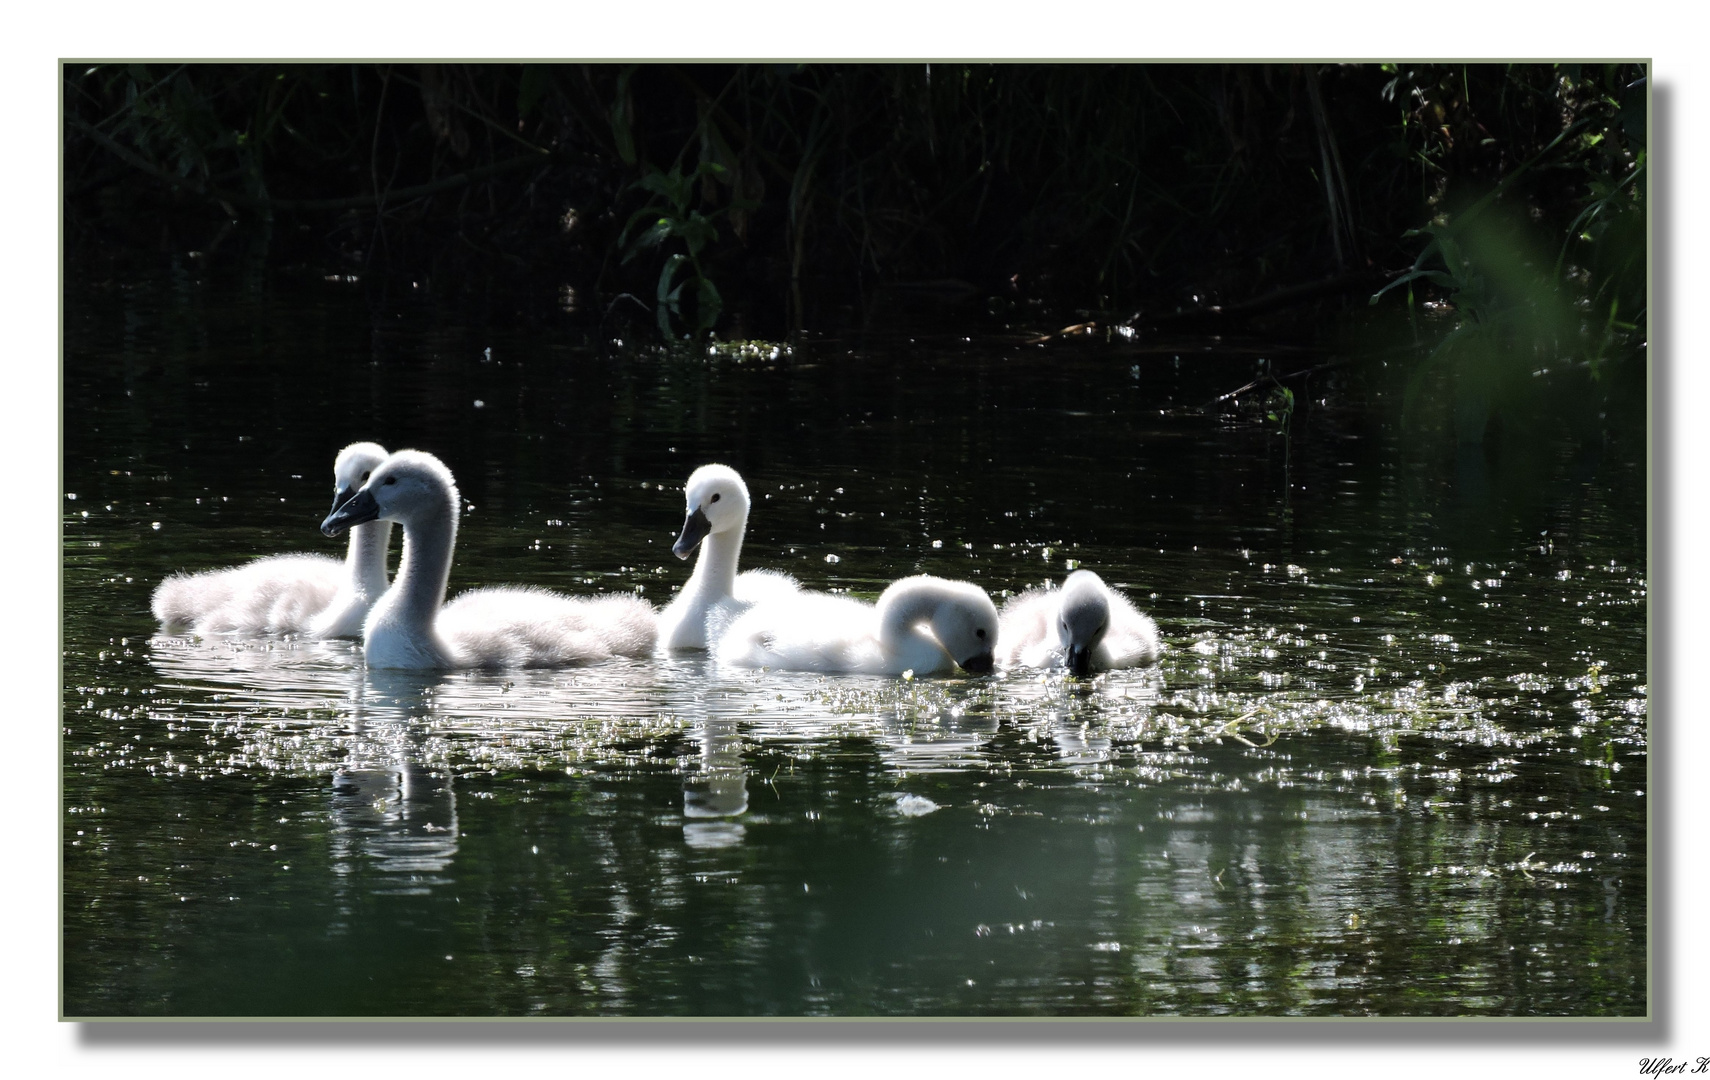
(1393, 761)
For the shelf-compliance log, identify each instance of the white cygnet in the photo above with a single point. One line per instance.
(715, 593)
(412, 627)
(1083, 626)
(314, 595)
(923, 624)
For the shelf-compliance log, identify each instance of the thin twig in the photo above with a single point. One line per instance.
(1280, 298)
(134, 102)
(462, 108)
(374, 148)
(1256, 383)
(1229, 730)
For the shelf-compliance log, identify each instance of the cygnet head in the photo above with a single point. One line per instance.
(717, 502)
(968, 629)
(355, 462)
(408, 486)
(1083, 617)
(962, 617)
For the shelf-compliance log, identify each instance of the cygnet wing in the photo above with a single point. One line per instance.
(1131, 640)
(277, 594)
(525, 627)
(804, 631)
(1025, 636)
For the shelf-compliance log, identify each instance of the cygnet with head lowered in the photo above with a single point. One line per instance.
(715, 594)
(313, 595)
(1084, 626)
(413, 627)
(924, 624)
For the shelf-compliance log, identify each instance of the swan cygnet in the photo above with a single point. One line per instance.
(715, 593)
(412, 627)
(313, 595)
(924, 624)
(1083, 626)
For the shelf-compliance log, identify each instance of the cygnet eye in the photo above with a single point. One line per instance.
(391, 480)
(365, 475)
(714, 498)
(980, 633)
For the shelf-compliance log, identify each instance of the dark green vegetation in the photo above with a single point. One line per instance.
(751, 199)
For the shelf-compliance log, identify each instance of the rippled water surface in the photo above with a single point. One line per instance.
(1393, 761)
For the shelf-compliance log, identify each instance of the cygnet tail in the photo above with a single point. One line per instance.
(1132, 640)
(175, 601)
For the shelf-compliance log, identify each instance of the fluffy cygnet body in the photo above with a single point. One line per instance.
(1083, 626)
(313, 595)
(923, 624)
(412, 627)
(715, 593)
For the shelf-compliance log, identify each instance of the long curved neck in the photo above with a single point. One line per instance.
(715, 569)
(365, 559)
(900, 631)
(426, 565)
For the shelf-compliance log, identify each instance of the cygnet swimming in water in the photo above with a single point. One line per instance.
(314, 595)
(923, 624)
(715, 593)
(497, 627)
(1083, 626)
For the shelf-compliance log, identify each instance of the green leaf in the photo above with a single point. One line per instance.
(621, 120)
(697, 232)
(709, 305)
(656, 234)
(667, 184)
(667, 296)
(1451, 252)
(634, 219)
(535, 81)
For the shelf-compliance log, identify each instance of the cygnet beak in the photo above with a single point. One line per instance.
(1080, 660)
(695, 528)
(355, 510)
(978, 665)
(342, 496)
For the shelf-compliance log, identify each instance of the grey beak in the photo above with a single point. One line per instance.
(342, 496)
(355, 510)
(1080, 660)
(695, 528)
(978, 665)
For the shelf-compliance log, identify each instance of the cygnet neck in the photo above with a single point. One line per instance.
(900, 615)
(715, 569)
(429, 537)
(365, 560)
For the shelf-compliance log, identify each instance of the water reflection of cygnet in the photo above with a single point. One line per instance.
(1081, 747)
(391, 811)
(946, 740)
(259, 675)
(1088, 717)
(716, 791)
(926, 725)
